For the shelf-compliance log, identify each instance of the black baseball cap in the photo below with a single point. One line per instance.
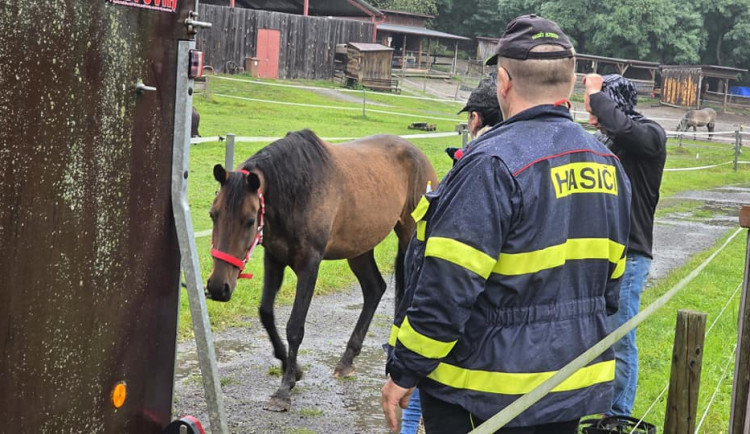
(484, 96)
(528, 31)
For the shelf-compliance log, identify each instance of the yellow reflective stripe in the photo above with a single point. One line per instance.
(513, 264)
(421, 209)
(421, 344)
(460, 254)
(421, 229)
(392, 337)
(619, 269)
(507, 383)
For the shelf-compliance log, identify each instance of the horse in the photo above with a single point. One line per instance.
(698, 118)
(305, 201)
(195, 120)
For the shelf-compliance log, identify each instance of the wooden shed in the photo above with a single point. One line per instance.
(370, 65)
(685, 85)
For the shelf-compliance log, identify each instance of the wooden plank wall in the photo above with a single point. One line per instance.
(680, 86)
(307, 43)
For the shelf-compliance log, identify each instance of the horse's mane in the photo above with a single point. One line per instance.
(293, 168)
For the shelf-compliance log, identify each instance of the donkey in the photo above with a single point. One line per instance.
(698, 118)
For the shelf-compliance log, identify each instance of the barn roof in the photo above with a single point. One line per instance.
(421, 31)
(629, 62)
(362, 46)
(336, 8)
(716, 71)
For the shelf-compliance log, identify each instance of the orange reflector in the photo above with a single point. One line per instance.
(119, 394)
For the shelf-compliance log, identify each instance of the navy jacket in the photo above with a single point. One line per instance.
(513, 269)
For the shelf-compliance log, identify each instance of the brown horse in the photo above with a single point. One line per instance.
(315, 201)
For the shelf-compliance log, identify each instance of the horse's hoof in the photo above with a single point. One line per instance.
(343, 371)
(278, 404)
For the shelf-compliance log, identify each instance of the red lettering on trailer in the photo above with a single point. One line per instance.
(158, 5)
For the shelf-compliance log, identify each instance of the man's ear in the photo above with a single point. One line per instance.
(253, 182)
(220, 174)
(504, 83)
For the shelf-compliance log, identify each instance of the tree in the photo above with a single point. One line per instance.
(652, 30)
(727, 24)
(427, 7)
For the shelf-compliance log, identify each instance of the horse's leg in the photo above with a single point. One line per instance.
(273, 275)
(373, 287)
(710, 127)
(404, 232)
(307, 274)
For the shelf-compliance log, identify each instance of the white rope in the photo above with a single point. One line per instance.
(261, 83)
(698, 133)
(333, 107)
(243, 139)
(648, 410)
(687, 169)
(724, 308)
(716, 390)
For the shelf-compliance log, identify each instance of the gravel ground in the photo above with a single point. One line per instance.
(323, 404)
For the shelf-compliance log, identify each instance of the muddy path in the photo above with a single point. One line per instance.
(323, 404)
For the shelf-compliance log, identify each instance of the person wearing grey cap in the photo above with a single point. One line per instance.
(484, 113)
(517, 259)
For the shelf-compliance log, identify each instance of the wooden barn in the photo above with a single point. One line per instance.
(411, 41)
(370, 65)
(685, 85)
(282, 39)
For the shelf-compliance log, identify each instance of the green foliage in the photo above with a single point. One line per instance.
(427, 7)
(666, 31)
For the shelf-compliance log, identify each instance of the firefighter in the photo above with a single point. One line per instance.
(517, 258)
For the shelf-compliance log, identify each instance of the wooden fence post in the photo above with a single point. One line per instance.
(229, 152)
(685, 379)
(739, 422)
(736, 149)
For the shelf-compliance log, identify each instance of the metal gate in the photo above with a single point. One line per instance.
(89, 269)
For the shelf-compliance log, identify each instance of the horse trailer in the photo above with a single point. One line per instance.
(94, 96)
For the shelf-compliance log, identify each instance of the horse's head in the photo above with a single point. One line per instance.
(682, 126)
(237, 215)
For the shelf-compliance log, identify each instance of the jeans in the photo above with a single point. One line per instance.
(626, 351)
(411, 415)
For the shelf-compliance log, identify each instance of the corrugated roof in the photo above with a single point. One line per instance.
(728, 69)
(362, 46)
(320, 8)
(409, 30)
(631, 62)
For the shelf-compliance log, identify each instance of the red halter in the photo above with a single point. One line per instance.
(240, 263)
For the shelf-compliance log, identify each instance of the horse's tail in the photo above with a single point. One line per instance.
(400, 273)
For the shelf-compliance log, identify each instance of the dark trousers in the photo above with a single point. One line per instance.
(441, 417)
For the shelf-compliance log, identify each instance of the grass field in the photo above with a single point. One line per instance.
(232, 110)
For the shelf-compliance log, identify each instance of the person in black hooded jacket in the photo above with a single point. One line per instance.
(640, 144)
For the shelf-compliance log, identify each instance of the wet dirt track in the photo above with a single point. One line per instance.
(323, 404)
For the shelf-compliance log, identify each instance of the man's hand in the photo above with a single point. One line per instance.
(593, 83)
(392, 395)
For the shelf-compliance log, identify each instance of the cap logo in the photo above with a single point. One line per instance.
(545, 35)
